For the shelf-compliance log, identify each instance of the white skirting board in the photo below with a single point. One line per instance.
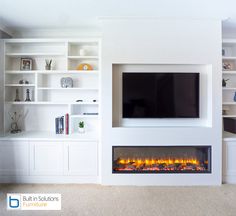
(50, 179)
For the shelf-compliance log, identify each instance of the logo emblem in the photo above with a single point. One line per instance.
(13, 201)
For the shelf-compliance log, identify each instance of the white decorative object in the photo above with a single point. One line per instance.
(81, 52)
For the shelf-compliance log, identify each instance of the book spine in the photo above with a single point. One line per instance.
(62, 125)
(67, 124)
(57, 125)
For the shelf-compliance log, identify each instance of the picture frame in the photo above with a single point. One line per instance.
(26, 64)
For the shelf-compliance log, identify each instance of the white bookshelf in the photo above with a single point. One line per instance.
(48, 99)
(228, 92)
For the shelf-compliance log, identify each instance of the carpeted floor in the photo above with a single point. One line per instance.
(96, 200)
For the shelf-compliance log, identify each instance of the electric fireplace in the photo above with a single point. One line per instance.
(158, 159)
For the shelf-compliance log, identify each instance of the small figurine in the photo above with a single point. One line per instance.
(227, 66)
(23, 82)
(28, 95)
(224, 82)
(17, 98)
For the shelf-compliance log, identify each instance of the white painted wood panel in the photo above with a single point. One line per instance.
(14, 158)
(229, 162)
(46, 158)
(81, 158)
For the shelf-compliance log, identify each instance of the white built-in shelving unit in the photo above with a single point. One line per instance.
(229, 57)
(49, 99)
(229, 105)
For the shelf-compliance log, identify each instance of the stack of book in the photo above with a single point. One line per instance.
(62, 124)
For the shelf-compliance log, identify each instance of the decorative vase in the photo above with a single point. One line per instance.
(81, 130)
(48, 67)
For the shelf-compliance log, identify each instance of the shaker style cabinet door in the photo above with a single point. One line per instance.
(46, 158)
(81, 158)
(14, 158)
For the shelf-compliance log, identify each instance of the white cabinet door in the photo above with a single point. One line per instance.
(81, 158)
(46, 158)
(229, 159)
(14, 158)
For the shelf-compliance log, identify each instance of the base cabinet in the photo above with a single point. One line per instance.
(229, 162)
(14, 158)
(48, 162)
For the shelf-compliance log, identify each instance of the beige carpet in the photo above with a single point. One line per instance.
(95, 200)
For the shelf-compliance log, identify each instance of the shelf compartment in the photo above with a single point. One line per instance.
(13, 64)
(84, 116)
(229, 103)
(53, 81)
(228, 116)
(66, 96)
(19, 85)
(229, 88)
(229, 72)
(34, 54)
(52, 103)
(76, 72)
(229, 57)
(77, 110)
(14, 79)
(15, 72)
(68, 89)
(10, 93)
(74, 63)
(90, 48)
(83, 57)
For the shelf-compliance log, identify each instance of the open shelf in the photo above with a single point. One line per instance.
(84, 116)
(229, 88)
(68, 89)
(51, 103)
(229, 72)
(33, 54)
(19, 85)
(82, 57)
(229, 116)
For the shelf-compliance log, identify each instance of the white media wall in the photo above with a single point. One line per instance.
(162, 42)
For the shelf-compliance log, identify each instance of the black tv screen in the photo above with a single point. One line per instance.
(160, 95)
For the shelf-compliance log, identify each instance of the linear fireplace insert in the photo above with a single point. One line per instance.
(159, 159)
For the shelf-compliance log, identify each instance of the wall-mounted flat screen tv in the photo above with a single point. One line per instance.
(160, 95)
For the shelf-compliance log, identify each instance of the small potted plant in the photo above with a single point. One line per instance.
(81, 127)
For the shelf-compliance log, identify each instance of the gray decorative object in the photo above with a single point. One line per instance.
(23, 82)
(14, 125)
(66, 82)
(27, 95)
(48, 65)
(17, 98)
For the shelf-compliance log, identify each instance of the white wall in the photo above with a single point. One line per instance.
(156, 41)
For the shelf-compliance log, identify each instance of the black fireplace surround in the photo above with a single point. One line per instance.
(161, 159)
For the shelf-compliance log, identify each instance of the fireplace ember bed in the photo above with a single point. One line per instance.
(159, 159)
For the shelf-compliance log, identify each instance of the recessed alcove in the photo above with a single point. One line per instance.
(205, 91)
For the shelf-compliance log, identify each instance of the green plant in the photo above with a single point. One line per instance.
(81, 124)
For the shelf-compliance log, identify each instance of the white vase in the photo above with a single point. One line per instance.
(81, 130)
